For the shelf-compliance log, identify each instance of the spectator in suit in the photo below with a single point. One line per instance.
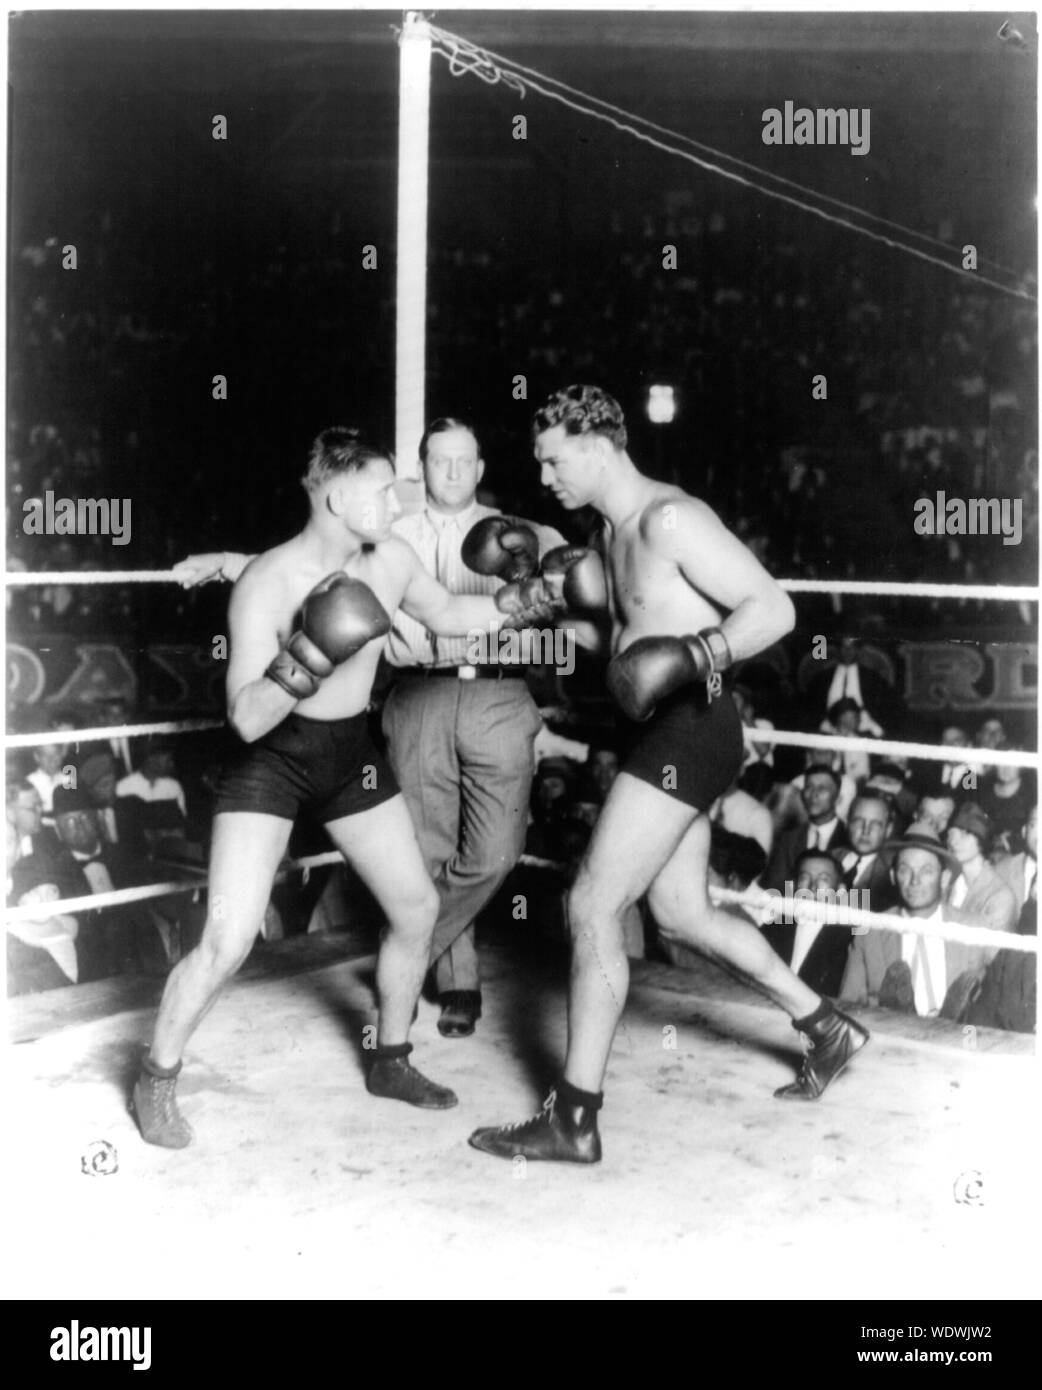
(119, 818)
(1007, 794)
(600, 771)
(757, 775)
(25, 816)
(844, 721)
(41, 951)
(117, 939)
(1019, 871)
(978, 890)
(852, 677)
(955, 778)
(891, 780)
(824, 830)
(937, 810)
(904, 970)
(816, 951)
(864, 865)
(1008, 995)
(47, 774)
(155, 795)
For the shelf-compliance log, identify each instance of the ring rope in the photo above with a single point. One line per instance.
(118, 897)
(21, 579)
(464, 56)
(830, 914)
(994, 757)
(841, 915)
(999, 593)
(97, 735)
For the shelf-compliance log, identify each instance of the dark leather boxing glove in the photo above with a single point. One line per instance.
(652, 668)
(528, 604)
(337, 619)
(502, 546)
(585, 588)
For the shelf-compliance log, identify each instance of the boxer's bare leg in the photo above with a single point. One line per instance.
(680, 904)
(244, 859)
(381, 846)
(637, 831)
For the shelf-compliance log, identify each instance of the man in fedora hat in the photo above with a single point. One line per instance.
(905, 970)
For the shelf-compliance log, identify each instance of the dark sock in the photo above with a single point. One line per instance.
(821, 1012)
(161, 1073)
(389, 1052)
(571, 1095)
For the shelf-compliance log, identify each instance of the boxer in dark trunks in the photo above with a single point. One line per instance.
(687, 599)
(307, 622)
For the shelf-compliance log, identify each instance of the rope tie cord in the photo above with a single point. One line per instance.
(465, 57)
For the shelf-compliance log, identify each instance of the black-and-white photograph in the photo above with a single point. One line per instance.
(522, 662)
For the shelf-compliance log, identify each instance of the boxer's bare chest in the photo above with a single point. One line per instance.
(649, 594)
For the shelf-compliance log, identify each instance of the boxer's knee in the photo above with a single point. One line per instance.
(593, 911)
(415, 912)
(221, 952)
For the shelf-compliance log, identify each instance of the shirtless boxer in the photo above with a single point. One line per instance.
(687, 600)
(307, 621)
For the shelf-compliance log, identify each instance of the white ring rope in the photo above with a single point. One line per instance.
(169, 726)
(840, 914)
(21, 579)
(831, 914)
(35, 912)
(999, 593)
(960, 754)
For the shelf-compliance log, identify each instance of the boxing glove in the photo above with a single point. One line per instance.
(527, 604)
(501, 546)
(652, 668)
(585, 588)
(338, 617)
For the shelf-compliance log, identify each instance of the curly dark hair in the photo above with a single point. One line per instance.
(583, 410)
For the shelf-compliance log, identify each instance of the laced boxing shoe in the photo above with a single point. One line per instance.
(829, 1045)
(391, 1077)
(561, 1132)
(154, 1106)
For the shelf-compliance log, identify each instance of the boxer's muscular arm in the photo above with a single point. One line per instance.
(194, 570)
(720, 567)
(444, 614)
(255, 703)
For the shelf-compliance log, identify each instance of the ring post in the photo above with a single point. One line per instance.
(411, 330)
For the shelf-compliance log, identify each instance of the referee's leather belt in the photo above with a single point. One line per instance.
(491, 671)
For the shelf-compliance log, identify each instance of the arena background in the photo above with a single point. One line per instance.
(244, 257)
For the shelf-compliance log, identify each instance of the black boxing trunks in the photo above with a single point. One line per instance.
(691, 748)
(331, 767)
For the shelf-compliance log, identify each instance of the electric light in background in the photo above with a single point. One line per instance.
(662, 405)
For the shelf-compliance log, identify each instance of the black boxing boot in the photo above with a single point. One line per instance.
(564, 1131)
(391, 1076)
(154, 1106)
(831, 1040)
